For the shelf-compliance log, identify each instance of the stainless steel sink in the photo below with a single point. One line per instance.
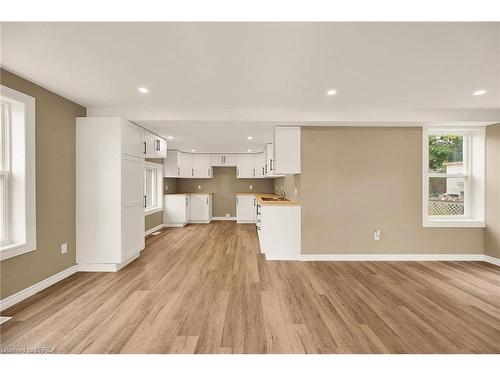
(270, 199)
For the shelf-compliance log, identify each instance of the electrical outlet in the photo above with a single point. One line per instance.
(166, 187)
(295, 192)
(228, 215)
(64, 248)
(199, 187)
(376, 235)
(251, 187)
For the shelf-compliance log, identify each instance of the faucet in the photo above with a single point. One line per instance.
(283, 193)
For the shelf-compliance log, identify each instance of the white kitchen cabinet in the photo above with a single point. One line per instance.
(176, 210)
(109, 193)
(278, 229)
(200, 208)
(224, 160)
(286, 150)
(260, 165)
(245, 208)
(245, 167)
(185, 164)
(202, 166)
(153, 146)
(171, 167)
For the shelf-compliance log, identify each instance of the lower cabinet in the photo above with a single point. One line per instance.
(181, 209)
(201, 208)
(245, 208)
(176, 210)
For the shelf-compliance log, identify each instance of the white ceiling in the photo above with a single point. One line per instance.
(221, 79)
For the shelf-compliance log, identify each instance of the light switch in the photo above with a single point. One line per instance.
(64, 248)
(251, 187)
(376, 235)
(199, 187)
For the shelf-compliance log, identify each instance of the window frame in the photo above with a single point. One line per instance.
(21, 213)
(473, 175)
(158, 170)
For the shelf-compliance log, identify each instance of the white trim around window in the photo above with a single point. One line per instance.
(21, 188)
(473, 175)
(153, 203)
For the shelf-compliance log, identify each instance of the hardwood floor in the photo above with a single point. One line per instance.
(207, 289)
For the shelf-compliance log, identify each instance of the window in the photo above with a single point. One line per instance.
(454, 172)
(17, 173)
(153, 197)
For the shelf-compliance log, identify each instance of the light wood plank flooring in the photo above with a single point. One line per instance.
(207, 289)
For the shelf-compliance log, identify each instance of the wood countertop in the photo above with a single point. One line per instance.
(274, 203)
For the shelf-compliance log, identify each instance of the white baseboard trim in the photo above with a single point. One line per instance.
(392, 257)
(174, 225)
(245, 222)
(35, 288)
(492, 260)
(105, 267)
(200, 222)
(154, 229)
(222, 218)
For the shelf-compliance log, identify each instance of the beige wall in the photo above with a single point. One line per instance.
(289, 184)
(492, 231)
(55, 189)
(170, 185)
(153, 220)
(356, 180)
(224, 185)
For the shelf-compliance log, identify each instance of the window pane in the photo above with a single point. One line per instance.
(446, 196)
(446, 154)
(148, 184)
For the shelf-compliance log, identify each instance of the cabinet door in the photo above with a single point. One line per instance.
(149, 145)
(230, 160)
(245, 208)
(260, 165)
(245, 167)
(186, 165)
(199, 208)
(132, 206)
(202, 166)
(171, 166)
(132, 140)
(160, 147)
(175, 208)
(217, 160)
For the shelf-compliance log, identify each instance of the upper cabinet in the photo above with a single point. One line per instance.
(224, 160)
(286, 150)
(153, 146)
(202, 166)
(245, 167)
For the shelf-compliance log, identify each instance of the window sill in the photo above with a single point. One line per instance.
(15, 249)
(436, 223)
(152, 211)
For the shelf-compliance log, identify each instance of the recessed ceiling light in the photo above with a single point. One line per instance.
(170, 137)
(143, 90)
(331, 92)
(479, 92)
(193, 150)
(249, 150)
(250, 137)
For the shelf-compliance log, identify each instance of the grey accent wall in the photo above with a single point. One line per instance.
(55, 122)
(224, 185)
(356, 180)
(492, 231)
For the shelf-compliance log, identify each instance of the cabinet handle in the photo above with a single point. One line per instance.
(186, 201)
(178, 171)
(207, 200)
(144, 147)
(192, 171)
(237, 172)
(144, 203)
(254, 202)
(263, 171)
(157, 145)
(254, 172)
